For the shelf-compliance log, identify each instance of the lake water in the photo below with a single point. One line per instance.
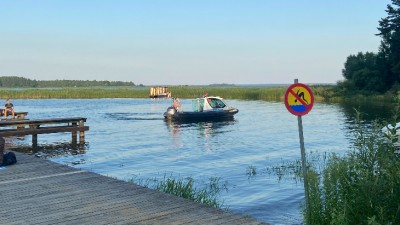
(128, 138)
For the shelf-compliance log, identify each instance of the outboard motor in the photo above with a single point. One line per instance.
(169, 114)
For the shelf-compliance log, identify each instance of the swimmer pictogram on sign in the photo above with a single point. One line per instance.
(299, 99)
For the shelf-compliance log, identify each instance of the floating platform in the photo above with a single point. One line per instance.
(159, 92)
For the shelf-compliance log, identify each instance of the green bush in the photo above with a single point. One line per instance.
(362, 187)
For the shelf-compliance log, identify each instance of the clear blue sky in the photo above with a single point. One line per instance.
(186, 41)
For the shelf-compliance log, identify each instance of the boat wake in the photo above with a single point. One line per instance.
(134, 116)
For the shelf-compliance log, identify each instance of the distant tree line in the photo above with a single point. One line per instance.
(377, 72)
(17, 82)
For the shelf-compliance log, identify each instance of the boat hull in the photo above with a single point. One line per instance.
(212, 115)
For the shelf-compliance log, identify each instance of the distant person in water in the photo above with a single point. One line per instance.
(8, 109)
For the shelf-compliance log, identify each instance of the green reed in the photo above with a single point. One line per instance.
(321, 93)
(269, 93)
(64, 93)
(206, 193)
(361, 187)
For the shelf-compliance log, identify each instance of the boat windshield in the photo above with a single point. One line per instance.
(216, 103)
(197, 105)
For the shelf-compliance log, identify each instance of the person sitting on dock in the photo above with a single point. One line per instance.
(8, 108)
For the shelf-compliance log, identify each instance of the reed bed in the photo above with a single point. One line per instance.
(321, 93)
(77, 93)
(270, 94)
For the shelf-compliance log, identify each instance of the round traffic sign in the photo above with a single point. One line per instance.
(299, 99)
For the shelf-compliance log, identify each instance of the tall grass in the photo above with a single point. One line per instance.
(321, 93)
(206, 193)
(63, 93)
(362, 187)
(268, 93)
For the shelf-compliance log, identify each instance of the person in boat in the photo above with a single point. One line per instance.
(8, 109)
(215, 103)
(205, 94)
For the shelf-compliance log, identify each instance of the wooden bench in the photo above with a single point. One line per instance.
(44, 126)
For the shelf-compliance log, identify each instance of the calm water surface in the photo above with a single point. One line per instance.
(128, 138)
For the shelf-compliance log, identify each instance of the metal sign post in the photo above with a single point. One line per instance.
(303, 161)
(299, 101)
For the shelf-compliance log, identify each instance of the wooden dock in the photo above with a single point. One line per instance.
(44, 126)
(38, 191)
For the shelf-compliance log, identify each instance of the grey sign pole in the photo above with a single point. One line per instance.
(303, 160)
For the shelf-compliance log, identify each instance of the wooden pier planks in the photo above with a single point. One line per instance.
(38, 191)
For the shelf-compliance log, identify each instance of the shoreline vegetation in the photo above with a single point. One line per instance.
(23, 88)
(322, 93)
(360, 187)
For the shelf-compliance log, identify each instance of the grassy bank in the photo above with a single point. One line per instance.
(63, 93)
(269, 93)
(321, 93)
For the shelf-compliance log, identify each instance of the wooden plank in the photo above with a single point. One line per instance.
(42, 130)
(41, 121)
(37, 191)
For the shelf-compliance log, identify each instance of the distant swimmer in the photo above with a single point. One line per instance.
(301, 95)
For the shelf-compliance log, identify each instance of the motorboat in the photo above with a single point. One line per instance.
(207, 108)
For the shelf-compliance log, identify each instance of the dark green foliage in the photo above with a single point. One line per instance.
(362, 72)
(369, 72)
(82, 83)
(389, 30)
(15, 82)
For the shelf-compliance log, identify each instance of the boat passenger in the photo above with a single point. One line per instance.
(215, 103)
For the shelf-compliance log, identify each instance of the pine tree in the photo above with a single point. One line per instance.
(389, 51)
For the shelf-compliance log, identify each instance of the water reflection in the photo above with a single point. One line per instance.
(52, 150)
(205, 129)
(126, 116)
(206, 133)
(369, 112)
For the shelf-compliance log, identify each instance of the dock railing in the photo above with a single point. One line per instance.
(45, 126)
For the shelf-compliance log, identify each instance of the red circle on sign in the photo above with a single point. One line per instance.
(305, 107)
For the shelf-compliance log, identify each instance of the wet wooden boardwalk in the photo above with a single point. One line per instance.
(38, 191)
